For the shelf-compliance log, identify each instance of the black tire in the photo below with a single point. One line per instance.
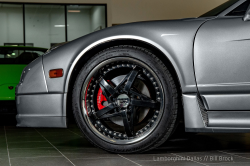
(168, 107)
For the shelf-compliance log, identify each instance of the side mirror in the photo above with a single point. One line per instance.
(247, 15)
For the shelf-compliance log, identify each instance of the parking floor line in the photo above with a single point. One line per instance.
(7, 145)
(75, 133)
(129, 160)
(56, 148)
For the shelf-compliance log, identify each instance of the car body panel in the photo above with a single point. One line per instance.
(233, 119)
(11, 73)
(222, 62)
(228, 102)
(193, 118)
(35, 78)
(32, 79)
(10, 77)
(7, 91)
(197, 119)
(201, 50)
(167, 36)
(48, 110)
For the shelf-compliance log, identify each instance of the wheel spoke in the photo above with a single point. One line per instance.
(110, 115)
(105, 110)
(140, 95)
(126, 124)
(107, 87)
(121, 83)
(124, 100)
(105, 94)
(132, 119)
(131, 78)
(145, 103)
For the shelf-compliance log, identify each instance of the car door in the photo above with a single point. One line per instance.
(222, 61)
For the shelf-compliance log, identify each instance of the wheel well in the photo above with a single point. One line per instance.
(114, 43)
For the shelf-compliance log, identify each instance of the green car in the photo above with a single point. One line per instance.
(13, 59)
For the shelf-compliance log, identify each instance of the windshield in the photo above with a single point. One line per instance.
(12, 55)
(219, 9)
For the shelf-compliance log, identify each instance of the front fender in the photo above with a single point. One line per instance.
(173, 38)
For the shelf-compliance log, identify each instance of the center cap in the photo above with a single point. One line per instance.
(122, 100)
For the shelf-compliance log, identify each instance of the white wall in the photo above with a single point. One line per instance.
(79, 24)
(11, 26)
(40, 24)
(98, 17)
(124, 11)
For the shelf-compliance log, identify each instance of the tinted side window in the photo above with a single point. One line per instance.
(240, 10)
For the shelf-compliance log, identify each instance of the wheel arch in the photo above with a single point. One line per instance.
(87, 53)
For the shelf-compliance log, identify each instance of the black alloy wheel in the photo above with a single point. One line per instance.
(125, 100)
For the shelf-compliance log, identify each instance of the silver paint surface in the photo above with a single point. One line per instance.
(41, 121)
(32, 80)
(192, 113)
(229, 119)
(228, 101)
(42, 110)
(210, 56)
(150, 32)
(222, 60)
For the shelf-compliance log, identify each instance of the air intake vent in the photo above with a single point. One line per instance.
(203, 110)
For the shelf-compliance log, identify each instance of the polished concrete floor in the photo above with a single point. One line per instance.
(52, 147)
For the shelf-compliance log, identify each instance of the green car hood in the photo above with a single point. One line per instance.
(9, 78)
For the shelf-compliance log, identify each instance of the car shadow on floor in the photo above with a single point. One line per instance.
(31, 146)
(203, 142)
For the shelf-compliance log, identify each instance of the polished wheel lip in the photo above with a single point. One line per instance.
(85, 112)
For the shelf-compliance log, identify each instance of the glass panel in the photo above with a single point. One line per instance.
(44, 24)
(219, 9)
(240, 10)
(11, 26)
(84, 19)
(19, 55)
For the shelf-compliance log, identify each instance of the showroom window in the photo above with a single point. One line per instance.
(43, 25)
(82, 20)
(11, 26)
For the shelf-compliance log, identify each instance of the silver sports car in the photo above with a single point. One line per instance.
(131, 85)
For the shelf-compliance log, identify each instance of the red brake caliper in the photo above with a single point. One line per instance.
(100, 99)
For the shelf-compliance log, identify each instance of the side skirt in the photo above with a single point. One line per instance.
(198, 119)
